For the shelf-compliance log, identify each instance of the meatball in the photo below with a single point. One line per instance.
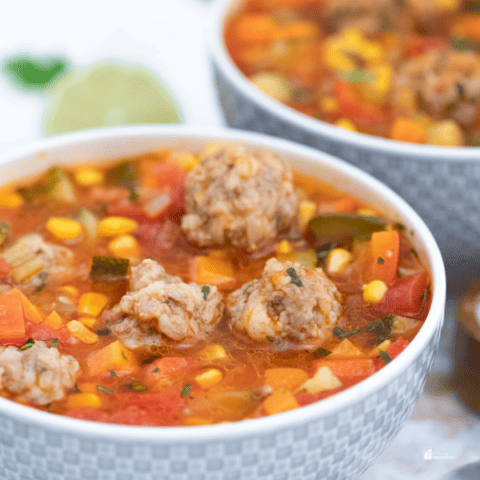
(38, 375)
(445, 82)
(288, 301)
(147, 272)
(239, 199)
(161, 305)
(369, 16)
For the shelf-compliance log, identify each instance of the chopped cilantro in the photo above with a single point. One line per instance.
(28, 344)
(414, 252)
(293, 275)
(156, 370)
(205, 291)
(185, 390)
(104, 331)
(382, 327)
(247, 288)
(55, 343)
(104, 390)
(400, 226)
(112, 373)
(123, 355)
(322, 352)
(380, 261)
(385, 356)
(133, 195)
(337, 331)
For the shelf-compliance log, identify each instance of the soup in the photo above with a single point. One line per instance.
(403, 70)
(191, 288)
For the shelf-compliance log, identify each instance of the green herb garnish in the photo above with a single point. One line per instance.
(460, 43)
(337, 331)
(133, 195)
(356, 76)
(380, 261)
(385, 356)
(112, 373)
(28, 344)
(322, 352)
(105, 390)
(247, 288)
(400, 226)
(138, 387)
(55, 343)
(108, 268)
(291, 272)
(205, 291)
(382, 327)
(123, 355)
(123, 174)
(414, 252)
(156, 370)
(185, 390)
(104, 331)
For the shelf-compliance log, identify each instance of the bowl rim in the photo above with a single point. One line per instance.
(222, 60)
(262, 425)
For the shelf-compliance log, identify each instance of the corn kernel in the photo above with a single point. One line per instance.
(212, 353)
(124, 246)
(186, 161)
(112, 226)
(284, 247)
(329, 104)
(11, 200)
(337, 260)
(446, 133)
(306, 212)
(53, 320)
(81, 400)
(70, 291)
(92, 303)
(88, 176)
(374, 291)
(209, 378)
(78, 330)
(87, 321)
(383, 346)
(346, 124)
(64, 228)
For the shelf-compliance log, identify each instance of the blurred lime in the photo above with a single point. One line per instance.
(108, 94)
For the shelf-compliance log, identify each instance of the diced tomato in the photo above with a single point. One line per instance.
(162, 409)
(419, 44)
(397, 347)
(404, 297)
(127, 209)
(43, 333)
(167, 174)
(352, 107)
(167, 366)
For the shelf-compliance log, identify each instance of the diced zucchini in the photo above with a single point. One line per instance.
(124, 174)
(344, 225)
(108, 268)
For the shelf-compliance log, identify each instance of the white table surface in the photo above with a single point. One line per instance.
(169, 38)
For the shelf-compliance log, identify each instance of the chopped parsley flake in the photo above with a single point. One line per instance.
(385, 356)
(337, 331)
(28, 344)
(205, 291)
(104, 331)
(380, 261)
(293, 275)
(322, 352)
(55, 343)
(185, 390)
(104, 390)
(112, 373)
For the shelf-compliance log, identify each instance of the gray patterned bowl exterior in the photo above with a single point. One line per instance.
(335, 439)
(442, 184)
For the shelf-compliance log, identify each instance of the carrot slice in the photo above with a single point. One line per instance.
(406, 130)
(385, 248)
(213, 271)
(289, 378)
(12, 319)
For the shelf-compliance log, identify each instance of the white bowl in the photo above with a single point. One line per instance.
(335, 438)
(442, 184)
